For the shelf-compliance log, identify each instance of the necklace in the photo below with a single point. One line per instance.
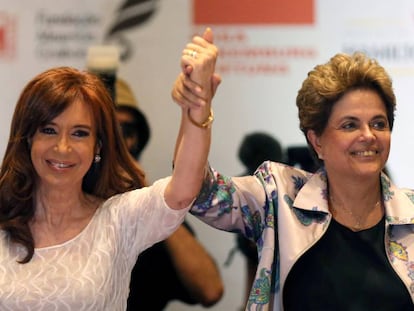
(357, 218)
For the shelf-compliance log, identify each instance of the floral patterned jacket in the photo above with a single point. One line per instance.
(282, 201)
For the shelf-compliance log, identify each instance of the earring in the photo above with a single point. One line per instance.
(97, 158)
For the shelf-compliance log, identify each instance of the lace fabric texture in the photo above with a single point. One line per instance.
(92, 270)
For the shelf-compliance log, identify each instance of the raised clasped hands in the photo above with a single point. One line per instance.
(196, 85)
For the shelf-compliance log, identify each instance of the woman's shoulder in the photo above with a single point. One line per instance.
(141, 198)
(276, 175)
(282, 169)
(390, 189)
(409, 193)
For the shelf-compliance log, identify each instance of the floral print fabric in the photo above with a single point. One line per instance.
(285, 211)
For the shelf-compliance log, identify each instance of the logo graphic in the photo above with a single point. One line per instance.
(131, 14)
(299, 12)
(7, 36)
(240, 53)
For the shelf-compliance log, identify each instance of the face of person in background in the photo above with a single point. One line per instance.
(128, 127)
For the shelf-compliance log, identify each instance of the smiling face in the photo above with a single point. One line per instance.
(356, 140)
(62, 151)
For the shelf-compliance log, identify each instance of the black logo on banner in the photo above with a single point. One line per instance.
(131, 14)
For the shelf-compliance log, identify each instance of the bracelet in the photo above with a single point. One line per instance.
(206, 123)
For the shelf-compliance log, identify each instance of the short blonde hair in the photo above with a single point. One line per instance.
(327, 83)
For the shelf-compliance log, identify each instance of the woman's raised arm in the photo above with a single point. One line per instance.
(193, 142)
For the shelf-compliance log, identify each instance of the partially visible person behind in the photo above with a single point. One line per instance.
(178, 268)
(301, 157)
(257, 147)
(338, 239)
(134, 124)
(72, 222)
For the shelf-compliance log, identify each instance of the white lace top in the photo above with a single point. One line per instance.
(92, 270)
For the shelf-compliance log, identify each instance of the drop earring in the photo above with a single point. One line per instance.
(97, 158)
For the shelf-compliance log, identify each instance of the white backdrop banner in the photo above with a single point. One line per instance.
(266, 49)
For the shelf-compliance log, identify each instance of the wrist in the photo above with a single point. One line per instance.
(206, 124)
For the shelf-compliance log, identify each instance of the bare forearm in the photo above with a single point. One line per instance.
(191, 157)
(195, 267)
(193, 141)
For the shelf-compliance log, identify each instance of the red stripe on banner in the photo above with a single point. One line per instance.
(253, 11)
(2, 39)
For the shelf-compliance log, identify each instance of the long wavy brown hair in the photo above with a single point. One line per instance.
(45, 97)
